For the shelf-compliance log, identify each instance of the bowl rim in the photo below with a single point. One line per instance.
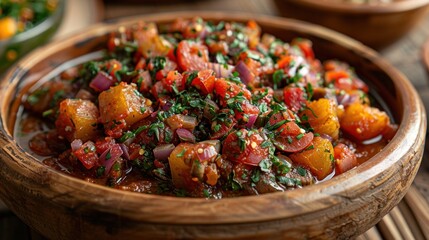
(195, 211)
(39, 28)
(344, 7)
(426, 54)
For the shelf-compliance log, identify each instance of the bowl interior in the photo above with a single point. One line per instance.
(389, 87)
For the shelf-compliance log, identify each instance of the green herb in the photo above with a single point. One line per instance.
(265, 144)
(276, 125)
(278, 76)
(299, 136)
(301, 171)
(100, 171)
(108, 155)
(142, 109)
(310, 147)
(191, 77)
(309, 90)
(47, 112)
(206, 193)
(34, 98)
(265, 165)
(256, 176)
(181, 154)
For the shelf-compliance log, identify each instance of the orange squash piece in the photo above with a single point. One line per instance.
(318, 157)
(322, 117)
(363, 122)
(123, 102)
(77, 119)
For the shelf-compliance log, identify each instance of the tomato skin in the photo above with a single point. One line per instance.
(204, 81)
(226, 89)
(294, 98)
(306, 47)
(192, 56)
(292, 144)
(103, 144)
(87, 155)
(345, 159)
(174, 78)
(252, 153)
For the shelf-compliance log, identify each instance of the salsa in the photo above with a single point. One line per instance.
(202, 109)
(19, 16)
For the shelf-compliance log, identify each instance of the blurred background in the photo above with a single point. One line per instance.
(398, 32)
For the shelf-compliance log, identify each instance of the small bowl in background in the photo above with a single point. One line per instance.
(15, 47)
(376, 25)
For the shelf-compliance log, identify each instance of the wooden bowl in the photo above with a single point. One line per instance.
(376, 25)
(426, 55)
(63, 207)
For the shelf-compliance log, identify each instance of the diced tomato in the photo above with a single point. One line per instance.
(294, 98)
(171, 55)
(103, 144)
(306, 47)
(345, 158)
(143, 81)
(87, 155)
(289, 129)
(245, 148)
(343, 80)
(115, 128)
(141, 64)
(248, 110)
(192, 56)
(174, 78)
(280, 116)
(204, 81)
(284, 61)
(168, 67)
(294, 143)
(226, 89)
(113, 66)
(158, 90)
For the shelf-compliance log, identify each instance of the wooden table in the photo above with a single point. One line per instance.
(406, 55)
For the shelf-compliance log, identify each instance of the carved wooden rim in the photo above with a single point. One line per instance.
(301, 202)
(393, 7)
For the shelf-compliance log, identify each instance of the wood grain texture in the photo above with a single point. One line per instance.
(62, 207)
(377, 26)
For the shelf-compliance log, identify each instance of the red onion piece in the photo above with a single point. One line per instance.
(153, 114)
(346, 99)
(167, 106)
(221, 70)
(244, 72)
(210, 109)
(215, 143)
(162, 152)
(206, 153)
(101, 82)
(252, 120)
(185, 135)
(76, 144)
(124, 148)
(189, 122)
(326, 136)
(109, 157)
